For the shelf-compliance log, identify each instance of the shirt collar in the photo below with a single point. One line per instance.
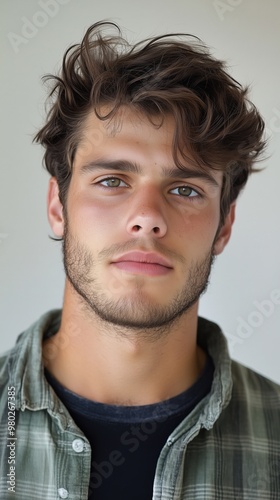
(212, 340)
(26, 369)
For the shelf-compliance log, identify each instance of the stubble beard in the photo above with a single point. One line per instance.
(130, 314)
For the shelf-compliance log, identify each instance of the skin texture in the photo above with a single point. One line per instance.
(135, 323)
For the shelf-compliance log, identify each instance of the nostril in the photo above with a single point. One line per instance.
(138, 228)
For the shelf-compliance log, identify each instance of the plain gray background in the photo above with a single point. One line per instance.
(244, 295)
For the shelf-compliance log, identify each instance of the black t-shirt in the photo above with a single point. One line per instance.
(126, 441)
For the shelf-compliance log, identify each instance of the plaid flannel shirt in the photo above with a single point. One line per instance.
(227, 448)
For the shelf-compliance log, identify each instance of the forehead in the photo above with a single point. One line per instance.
(131, 135)
(127, 124)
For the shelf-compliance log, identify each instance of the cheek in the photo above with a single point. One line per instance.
(198, 227)
(91, 218)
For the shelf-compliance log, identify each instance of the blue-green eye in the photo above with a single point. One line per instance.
(185, 191)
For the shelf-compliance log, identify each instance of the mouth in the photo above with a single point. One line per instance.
(151, 264)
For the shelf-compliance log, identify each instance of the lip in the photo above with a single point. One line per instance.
(138, 262)
(144, 258)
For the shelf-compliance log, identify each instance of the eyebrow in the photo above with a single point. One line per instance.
(128, 166)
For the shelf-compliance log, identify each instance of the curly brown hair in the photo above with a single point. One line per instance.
(172, 74)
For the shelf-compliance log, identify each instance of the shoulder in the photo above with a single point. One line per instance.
(250, 384)
(254, 408)
(23, 363)
(4, 368)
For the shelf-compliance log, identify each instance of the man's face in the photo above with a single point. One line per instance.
(139, 233)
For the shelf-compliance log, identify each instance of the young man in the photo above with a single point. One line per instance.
(126, 393)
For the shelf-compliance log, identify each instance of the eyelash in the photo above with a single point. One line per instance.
(110, 179)
(192, 198)
(197, 194)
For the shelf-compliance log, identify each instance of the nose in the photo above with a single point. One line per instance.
(146, 215)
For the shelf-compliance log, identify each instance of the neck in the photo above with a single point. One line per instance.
(109, 365)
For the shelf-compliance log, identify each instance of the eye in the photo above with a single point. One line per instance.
(112, 182)
(185, 191)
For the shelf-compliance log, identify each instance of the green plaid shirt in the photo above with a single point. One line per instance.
(227, 448)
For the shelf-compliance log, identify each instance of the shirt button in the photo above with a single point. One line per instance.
(63, 493)
(78, 446)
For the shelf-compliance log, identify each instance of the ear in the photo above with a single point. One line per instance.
(224, 233)
(55, 209)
